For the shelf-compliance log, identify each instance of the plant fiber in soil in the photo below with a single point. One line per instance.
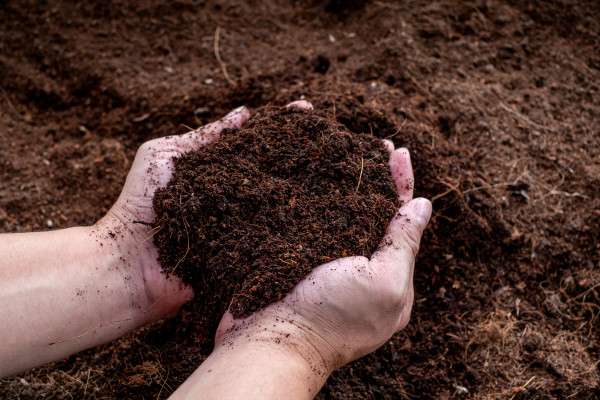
(245, 219)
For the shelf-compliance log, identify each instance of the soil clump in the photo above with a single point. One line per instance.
(245, 219)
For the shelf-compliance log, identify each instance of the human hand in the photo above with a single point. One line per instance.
(348, 307)
(123, 225)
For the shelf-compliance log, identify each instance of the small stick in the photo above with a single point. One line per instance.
(163, 385)
(524, 118)
(218, 56)
(191, 129)
(398, 131)
(523, 387)
(87, 381)
(362, 166)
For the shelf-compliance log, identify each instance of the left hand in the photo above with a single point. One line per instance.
(152, 169)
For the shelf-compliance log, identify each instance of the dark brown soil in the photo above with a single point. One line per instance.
(497, 100)
(246, 219)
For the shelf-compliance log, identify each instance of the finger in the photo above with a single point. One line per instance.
(400, 245)
(306, 105)
(389, 145)
(208, 133)
(402, 173)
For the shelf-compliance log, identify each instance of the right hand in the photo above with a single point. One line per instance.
(349, 307)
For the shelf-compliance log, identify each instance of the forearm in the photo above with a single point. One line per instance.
(62, 292)
(253, 371)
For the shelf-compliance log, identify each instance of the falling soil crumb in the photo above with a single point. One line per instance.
(246, 219)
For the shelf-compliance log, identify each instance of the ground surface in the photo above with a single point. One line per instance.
(497, 101)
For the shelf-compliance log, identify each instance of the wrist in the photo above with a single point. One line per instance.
(110, 237)
(155, 294)
(64, 292)
(284, 332)
(266, 361)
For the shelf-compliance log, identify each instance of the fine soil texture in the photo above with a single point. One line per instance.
(498, 102)
(245, 219)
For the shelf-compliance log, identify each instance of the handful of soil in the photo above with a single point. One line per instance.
(245, 219)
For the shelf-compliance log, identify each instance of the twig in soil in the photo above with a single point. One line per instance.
(447, 192)
(218, 56)
(522, 388)
(266, 107)
(587, 291)
(455, 188)
(398, 131)
(524, 118)
(163, 385)
(567, 194)
(235, 295)
(87, 381)
(490, 186)
(474, 189)
(362, 167)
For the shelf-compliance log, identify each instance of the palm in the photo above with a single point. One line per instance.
(129, 218)
(352, 297)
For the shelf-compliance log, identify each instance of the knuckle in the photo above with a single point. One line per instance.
(164, 147)
(413, 238)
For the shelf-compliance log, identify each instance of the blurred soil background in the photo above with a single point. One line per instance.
(498, 102)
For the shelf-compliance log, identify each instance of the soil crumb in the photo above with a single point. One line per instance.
(246, 219)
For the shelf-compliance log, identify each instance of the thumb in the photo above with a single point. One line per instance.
(226, 324)
(400, 245)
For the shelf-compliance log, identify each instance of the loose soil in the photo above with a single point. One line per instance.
(498, 102)
(246, 219)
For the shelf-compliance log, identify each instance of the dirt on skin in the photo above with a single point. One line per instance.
(498, 102)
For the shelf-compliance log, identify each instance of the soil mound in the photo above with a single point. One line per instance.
(246, 219)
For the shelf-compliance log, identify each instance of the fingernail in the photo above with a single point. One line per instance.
(422, 212)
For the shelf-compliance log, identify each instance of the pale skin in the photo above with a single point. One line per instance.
(68, 290)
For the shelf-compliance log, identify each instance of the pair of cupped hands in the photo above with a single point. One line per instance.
(343, 310)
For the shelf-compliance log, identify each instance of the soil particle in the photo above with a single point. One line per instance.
(244, 220)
